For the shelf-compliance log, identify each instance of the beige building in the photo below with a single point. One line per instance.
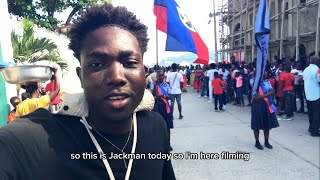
(296, 27)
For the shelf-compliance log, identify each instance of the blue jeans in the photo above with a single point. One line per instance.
(204, 89)
(289, 100)
(175, 97)
(240, 99)
(224, 98)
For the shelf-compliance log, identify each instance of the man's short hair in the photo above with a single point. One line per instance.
(174, 66)
(105, 15)
(314, 59)
(212, 65)
(287, 68)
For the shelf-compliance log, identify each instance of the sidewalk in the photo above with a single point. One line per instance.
(295, 154)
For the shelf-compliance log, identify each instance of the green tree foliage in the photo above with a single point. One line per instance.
(42, 12)
(28, 48)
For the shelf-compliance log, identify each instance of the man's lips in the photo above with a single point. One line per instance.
(117, 96)
(117, 101)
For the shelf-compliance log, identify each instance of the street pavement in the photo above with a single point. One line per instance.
(295, 154)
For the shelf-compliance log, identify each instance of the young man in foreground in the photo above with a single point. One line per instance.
(94, 132)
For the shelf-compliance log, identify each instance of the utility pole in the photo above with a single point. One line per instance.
(253, 29)
(245, 31)
(233, 23)
(318, 31)
(222, 33)
(281, 31)
(215, 31)
(241, 28)
(298, 30)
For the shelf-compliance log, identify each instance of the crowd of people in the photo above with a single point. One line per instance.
(36, 95)
(114, 113)
(294, 83)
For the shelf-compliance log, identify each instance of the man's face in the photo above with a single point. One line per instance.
(111, 73)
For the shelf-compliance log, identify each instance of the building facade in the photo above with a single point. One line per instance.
(296, 28)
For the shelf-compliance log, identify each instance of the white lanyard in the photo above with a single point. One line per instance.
(100, 151)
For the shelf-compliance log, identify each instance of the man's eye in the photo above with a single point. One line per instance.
(130, 64)
(96, 65)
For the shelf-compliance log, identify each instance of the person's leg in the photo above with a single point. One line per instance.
(241, 96)
(266, 138)
(224, 99)
(296, 96)
(179, 105)
(173, 97)
(237, 97)
(210, 91)
(220, 102)
(207, 92)
(310, 112)
(203, 89)
(291, 104)
(216, 102)
(256, 136)
(300, 96)
(315, 117)
(287, 101)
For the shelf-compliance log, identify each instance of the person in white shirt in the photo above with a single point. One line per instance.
(224, 72)
(175, 81)
(210, 74)
(298, 86)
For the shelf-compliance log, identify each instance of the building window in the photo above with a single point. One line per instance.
(285, 10)
(237, 27)
(303, 1)
(251, 19)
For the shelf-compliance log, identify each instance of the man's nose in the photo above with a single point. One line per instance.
(116, 74)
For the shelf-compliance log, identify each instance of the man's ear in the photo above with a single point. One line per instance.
(78, 69)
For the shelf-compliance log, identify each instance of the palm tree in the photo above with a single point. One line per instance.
(30, 49)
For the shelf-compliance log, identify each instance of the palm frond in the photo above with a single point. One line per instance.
(29, 48)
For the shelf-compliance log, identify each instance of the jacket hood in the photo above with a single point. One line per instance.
(76, 104)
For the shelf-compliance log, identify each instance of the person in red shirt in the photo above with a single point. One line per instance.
(217, 92)
(57, 99)
(286, 83)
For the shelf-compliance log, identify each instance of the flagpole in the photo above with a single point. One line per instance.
(282, 27)
(318, 30)
(157, 53)
(215, 32)
(157, 59)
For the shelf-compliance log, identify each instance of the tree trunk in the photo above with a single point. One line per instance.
(73, 12)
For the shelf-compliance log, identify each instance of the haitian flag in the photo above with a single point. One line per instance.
(181, 34)
(262, 31)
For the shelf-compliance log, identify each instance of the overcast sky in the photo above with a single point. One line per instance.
(197, 11)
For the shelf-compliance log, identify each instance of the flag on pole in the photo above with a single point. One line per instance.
(262, 31)
(181, 34)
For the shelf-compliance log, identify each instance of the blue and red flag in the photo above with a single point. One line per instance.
(181, 34)
(262, 31)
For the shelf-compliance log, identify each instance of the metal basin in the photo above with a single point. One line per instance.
(26, 73)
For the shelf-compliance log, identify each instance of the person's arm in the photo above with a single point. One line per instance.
(265, 95)
(181, 81)
(168, 96)
(53, 95)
